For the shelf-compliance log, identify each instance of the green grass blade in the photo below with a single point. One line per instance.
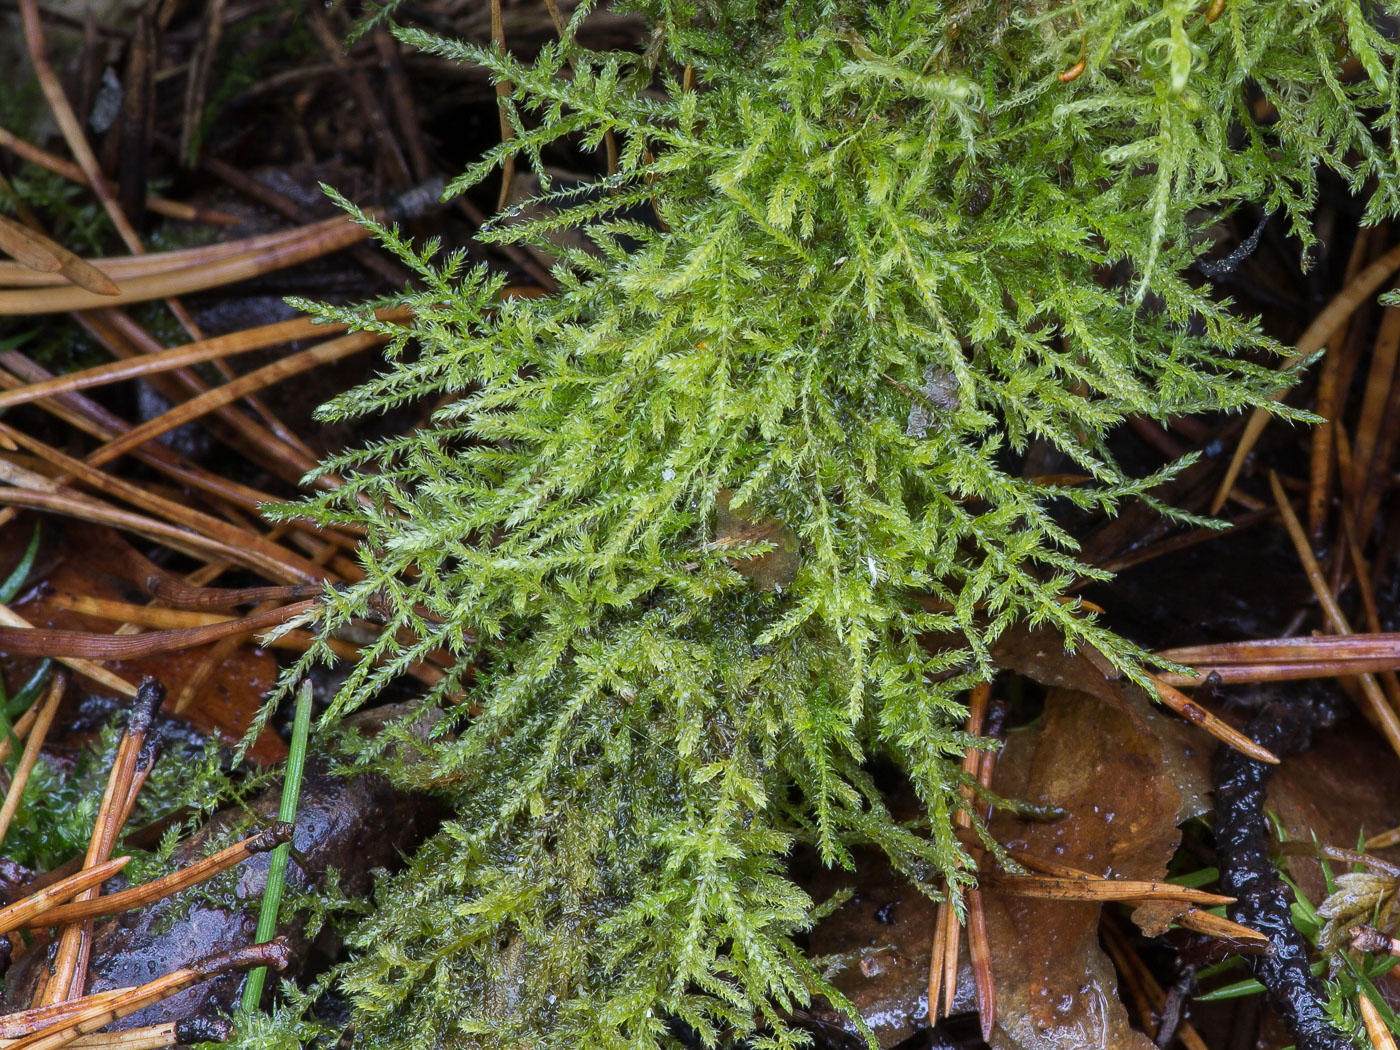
(10, 588)
(277, 869)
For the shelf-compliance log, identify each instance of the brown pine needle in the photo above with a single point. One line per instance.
(268, 557)
(979, 950)
(1332, 317)
(186, 541)
(68, 973)
(1287, 659)
(40, 254)
(43, 720)
(151, 1037)
(27, 1022)
(45, 642)
(16, 915)
(1129, 963)
(1198, 715)
(1203, 922)
(230, 392)
(99, 674)
(126, 268)
(1355, 647)
(1062, 888)
(1384, 714)
(159, 889)
(312, 242)
(274, 954)
(1381, 1039)
(223, 346)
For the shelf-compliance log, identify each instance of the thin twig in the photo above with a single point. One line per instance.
(1384, 714)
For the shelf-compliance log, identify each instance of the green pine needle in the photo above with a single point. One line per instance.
(277, 867)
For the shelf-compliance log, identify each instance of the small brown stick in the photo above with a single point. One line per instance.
(90, 418)
(1378, 646)
(1221, 928)
(976, 715)
(69, 971)
(223, 346)
(369, 259)
(123, 337)
(31, 751)
(275, 954)
(147, 1038)
(36, 251)
(324, 353)
(137, 118)
(70, 171)
(140, 615)
(324, 238)
(46, 642)
(1314, 338)
(1199, 716)
(127, 268)
(15, 916)
(1216, 9)
(401, 98)
(979, 948)
(1329, 395)
(1377, 401)
(943, 966)
(100, 675)
(1245, 674)
(1129, 976)
(1180, 542)
(68, 122)
(1384, 714)
(1388, 678)
(159, 889)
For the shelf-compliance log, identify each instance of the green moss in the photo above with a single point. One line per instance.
(891, 255)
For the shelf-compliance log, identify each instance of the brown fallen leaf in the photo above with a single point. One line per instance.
(1056, 989)
(771, 571)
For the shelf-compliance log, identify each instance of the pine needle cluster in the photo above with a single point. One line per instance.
(742, 507)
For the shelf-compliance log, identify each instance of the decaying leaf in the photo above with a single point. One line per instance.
(773, 570)
(1056, 990)
(1105, 764)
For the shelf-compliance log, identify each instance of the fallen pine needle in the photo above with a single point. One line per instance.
(1199, 716)
(15, 916)
(32, 745)
(156, 889)
(1384, 714)
(1062, 888)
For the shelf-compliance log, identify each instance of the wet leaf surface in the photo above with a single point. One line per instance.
(79, 559)
(1056, 988)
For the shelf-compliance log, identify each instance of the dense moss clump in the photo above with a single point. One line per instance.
(688, 525)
